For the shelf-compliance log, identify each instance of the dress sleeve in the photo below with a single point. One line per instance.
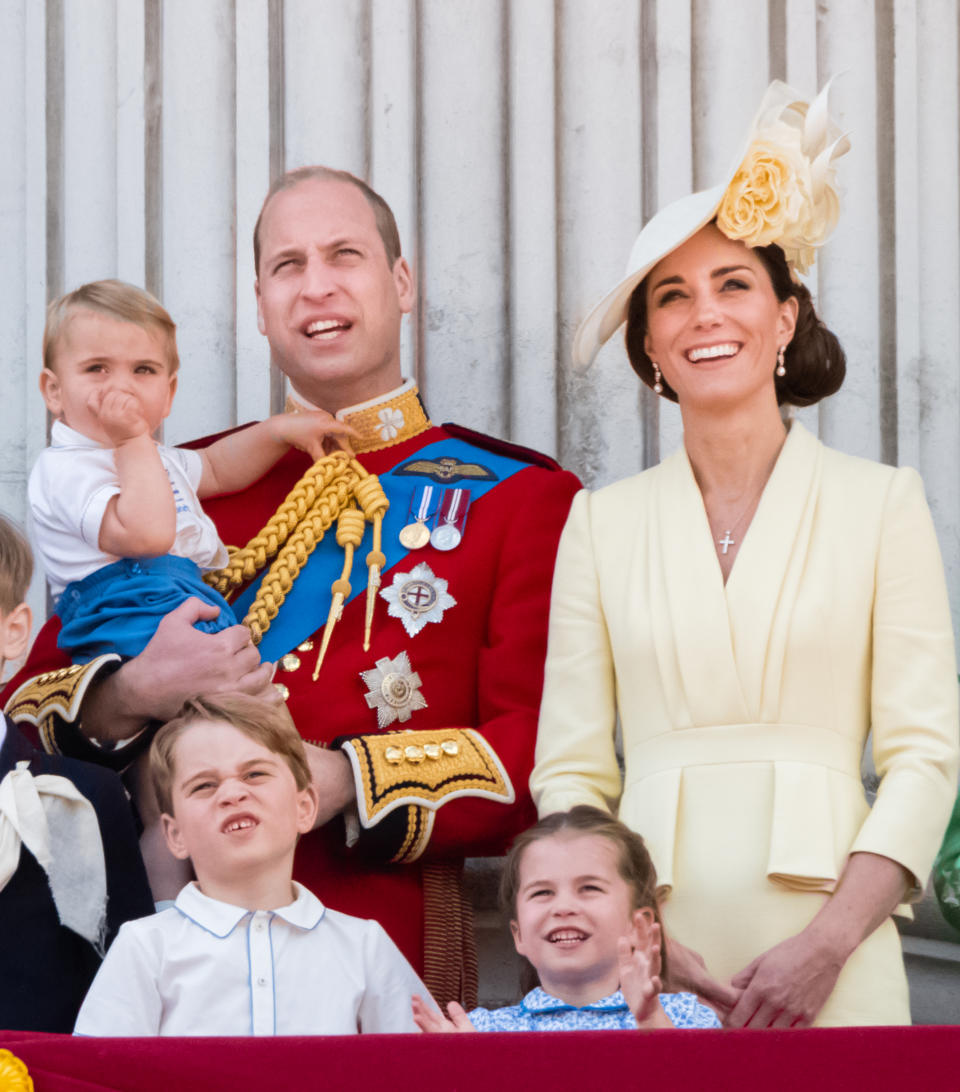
(914, 688)
(576, 761)
(123, 999)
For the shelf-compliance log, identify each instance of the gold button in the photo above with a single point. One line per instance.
(413, 754)
(305, 646)
(393, 754)
(450, 747)
(431, 750)
(290, 662)
(282, 690)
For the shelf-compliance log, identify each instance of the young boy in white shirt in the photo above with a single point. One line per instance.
(244, 950)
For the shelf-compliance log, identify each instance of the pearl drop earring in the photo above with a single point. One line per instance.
(781, 357)
(657, 377)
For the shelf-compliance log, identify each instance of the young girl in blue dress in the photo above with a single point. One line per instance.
(581, 892)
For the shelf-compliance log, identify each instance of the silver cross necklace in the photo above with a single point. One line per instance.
(728, 540)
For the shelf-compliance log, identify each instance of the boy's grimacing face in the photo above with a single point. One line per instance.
(96, 353)
(236, 805)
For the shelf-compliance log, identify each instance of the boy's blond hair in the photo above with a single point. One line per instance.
(16, 565)
(118, 300)
(269, 725)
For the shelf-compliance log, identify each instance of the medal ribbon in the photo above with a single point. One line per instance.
(308, 602)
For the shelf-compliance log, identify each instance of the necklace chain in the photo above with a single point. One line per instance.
(727, 540)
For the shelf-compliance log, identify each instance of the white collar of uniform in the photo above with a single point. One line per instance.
(62, 435)
(405, 387)
(221, 918)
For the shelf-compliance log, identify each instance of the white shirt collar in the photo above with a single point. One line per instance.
(221, 918)
(62, 435)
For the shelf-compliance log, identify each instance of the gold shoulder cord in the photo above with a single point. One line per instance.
(337, 488)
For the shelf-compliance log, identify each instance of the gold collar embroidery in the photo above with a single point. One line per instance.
(380, 423)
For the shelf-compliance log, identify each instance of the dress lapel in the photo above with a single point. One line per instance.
(688, 604)
(762, 587)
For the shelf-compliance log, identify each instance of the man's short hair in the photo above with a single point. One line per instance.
(265, 723)
(386, 223)
(16, 565)
(118, 300)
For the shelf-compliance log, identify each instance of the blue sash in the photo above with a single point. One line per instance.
(307, 603)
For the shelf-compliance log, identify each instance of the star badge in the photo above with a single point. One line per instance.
(393, 689)
(418, 597)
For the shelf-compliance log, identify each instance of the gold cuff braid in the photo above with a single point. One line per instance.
(55, 695)
(427, 768)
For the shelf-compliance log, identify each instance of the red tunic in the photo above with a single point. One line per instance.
(481, 667)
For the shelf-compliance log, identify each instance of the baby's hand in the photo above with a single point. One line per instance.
(640, 979)
(428, 1018)
(309, 429)
(120, 415)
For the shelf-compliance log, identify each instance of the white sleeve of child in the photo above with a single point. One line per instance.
(389, 985)
(124, 999)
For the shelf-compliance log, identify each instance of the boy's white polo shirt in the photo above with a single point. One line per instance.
(205, 967)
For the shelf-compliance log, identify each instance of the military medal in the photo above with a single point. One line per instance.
(393, 689)
(415, 535)
(451, 517)
(417, 597)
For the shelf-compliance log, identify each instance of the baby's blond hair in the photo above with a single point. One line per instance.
(118, 300)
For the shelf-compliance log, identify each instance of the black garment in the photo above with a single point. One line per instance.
(45, 968)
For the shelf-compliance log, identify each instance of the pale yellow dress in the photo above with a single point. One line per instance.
(745, 707)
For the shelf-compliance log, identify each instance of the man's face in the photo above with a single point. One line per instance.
(327, 299)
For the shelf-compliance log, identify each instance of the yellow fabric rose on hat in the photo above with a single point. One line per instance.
(783, 192)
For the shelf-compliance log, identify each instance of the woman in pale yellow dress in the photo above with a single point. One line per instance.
(751, 608)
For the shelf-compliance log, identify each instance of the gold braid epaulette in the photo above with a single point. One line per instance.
(331, 490)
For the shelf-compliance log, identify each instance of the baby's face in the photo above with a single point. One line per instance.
(236, 805)
(96, 355)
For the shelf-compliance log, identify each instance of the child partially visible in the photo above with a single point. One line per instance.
(245, 950)
(116, 515)
(70, 871)
(581, 892)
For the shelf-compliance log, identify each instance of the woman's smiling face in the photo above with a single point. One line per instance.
(714, 323)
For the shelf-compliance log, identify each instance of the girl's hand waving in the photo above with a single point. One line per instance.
(429, 1018)
(640, 977)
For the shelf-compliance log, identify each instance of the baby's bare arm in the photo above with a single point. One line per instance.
(141, 520)
(239, 459)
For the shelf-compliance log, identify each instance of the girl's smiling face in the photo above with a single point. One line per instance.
(714, 323)
(572, 908)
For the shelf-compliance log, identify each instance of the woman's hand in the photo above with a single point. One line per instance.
(640, 979)
(431, 1019)
(688, 972)
(787, 986)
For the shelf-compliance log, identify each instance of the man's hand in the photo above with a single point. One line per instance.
(431, 1019)
(786, 986)
(179, 662)
(120, 415)
(314, 431)
(333, 779)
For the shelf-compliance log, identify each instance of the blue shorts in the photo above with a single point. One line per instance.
(118, 608)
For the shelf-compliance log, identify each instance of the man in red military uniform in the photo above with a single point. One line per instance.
(429, 685)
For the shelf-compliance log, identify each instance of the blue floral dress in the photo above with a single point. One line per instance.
(541, 1011)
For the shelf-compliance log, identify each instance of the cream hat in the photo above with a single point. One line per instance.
(780, 189)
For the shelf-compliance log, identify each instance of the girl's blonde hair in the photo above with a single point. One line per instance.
(634, 862)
